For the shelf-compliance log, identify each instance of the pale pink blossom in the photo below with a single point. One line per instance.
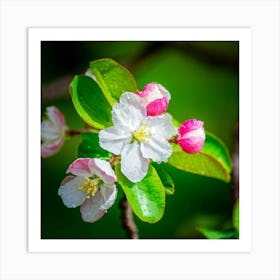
(92, 187)
(53, 131)
(191, 136)
(155, 98)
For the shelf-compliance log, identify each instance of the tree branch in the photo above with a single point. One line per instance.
(127, 219)
(57, 89)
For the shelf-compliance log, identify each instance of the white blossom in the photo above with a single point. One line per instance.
(137, 137)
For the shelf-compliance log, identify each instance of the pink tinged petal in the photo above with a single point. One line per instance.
(56, 117)
(71, 196)
(192, 145)
(67, 179)
(127, 116)
(133, 165)
(157, 107)
(161, 126)
(103, 170)
(90, 209)
(164, 91)
(147, 90)
(52, 148)
(95, 207)
(191, 136)
(156, 98)
(109, 193)
(157, 149)
(49, 132)
(113, 139)
(52, 132)
(132, 99)
(189, 125)
(153, 91)
(80, 167)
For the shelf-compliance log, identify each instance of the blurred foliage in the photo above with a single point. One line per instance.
(202, 78)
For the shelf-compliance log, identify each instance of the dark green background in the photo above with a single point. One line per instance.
(202, 78)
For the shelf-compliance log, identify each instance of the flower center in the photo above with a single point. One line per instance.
(142, 132)
(89, 186)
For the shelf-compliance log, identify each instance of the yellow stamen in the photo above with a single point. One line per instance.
(89, 186)
(142, 132)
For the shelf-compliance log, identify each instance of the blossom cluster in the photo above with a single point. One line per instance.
(141, 133)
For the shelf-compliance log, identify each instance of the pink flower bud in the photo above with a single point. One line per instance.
(191, 136)
(155, 98)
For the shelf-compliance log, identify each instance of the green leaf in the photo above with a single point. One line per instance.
(147, 197)
(112, 78)
(89, 147)
(90, 102)
(218, 234)
(217, 149)
(235, 218)
(213, 160)
(165, 178)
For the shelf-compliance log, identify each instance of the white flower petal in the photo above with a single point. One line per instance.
(95, 207)
(157, 149)
(127, 117)
(80, 167)
(53, 128)
(49, 132)
(56, 118)
(71, 196)
(113, 139)
(109, 193)
(103, 170)
(133, 165)
(161, 126)
(129, 98)
(50, 148)
(90, 209)
(164, 91)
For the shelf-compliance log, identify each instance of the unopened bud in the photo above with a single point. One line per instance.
(156, 98)
(191, 136)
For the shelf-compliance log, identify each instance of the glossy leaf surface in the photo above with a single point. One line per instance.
(113, 78)
(213, 160)
(90, 102)
(166, 179)
(147, 197)
(89, 147)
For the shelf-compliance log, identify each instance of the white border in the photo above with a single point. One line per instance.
(243, 35)
(263, 260)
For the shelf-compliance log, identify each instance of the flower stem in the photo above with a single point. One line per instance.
(73, 132)
(173, 139)
(114, 159)
(127, 219)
